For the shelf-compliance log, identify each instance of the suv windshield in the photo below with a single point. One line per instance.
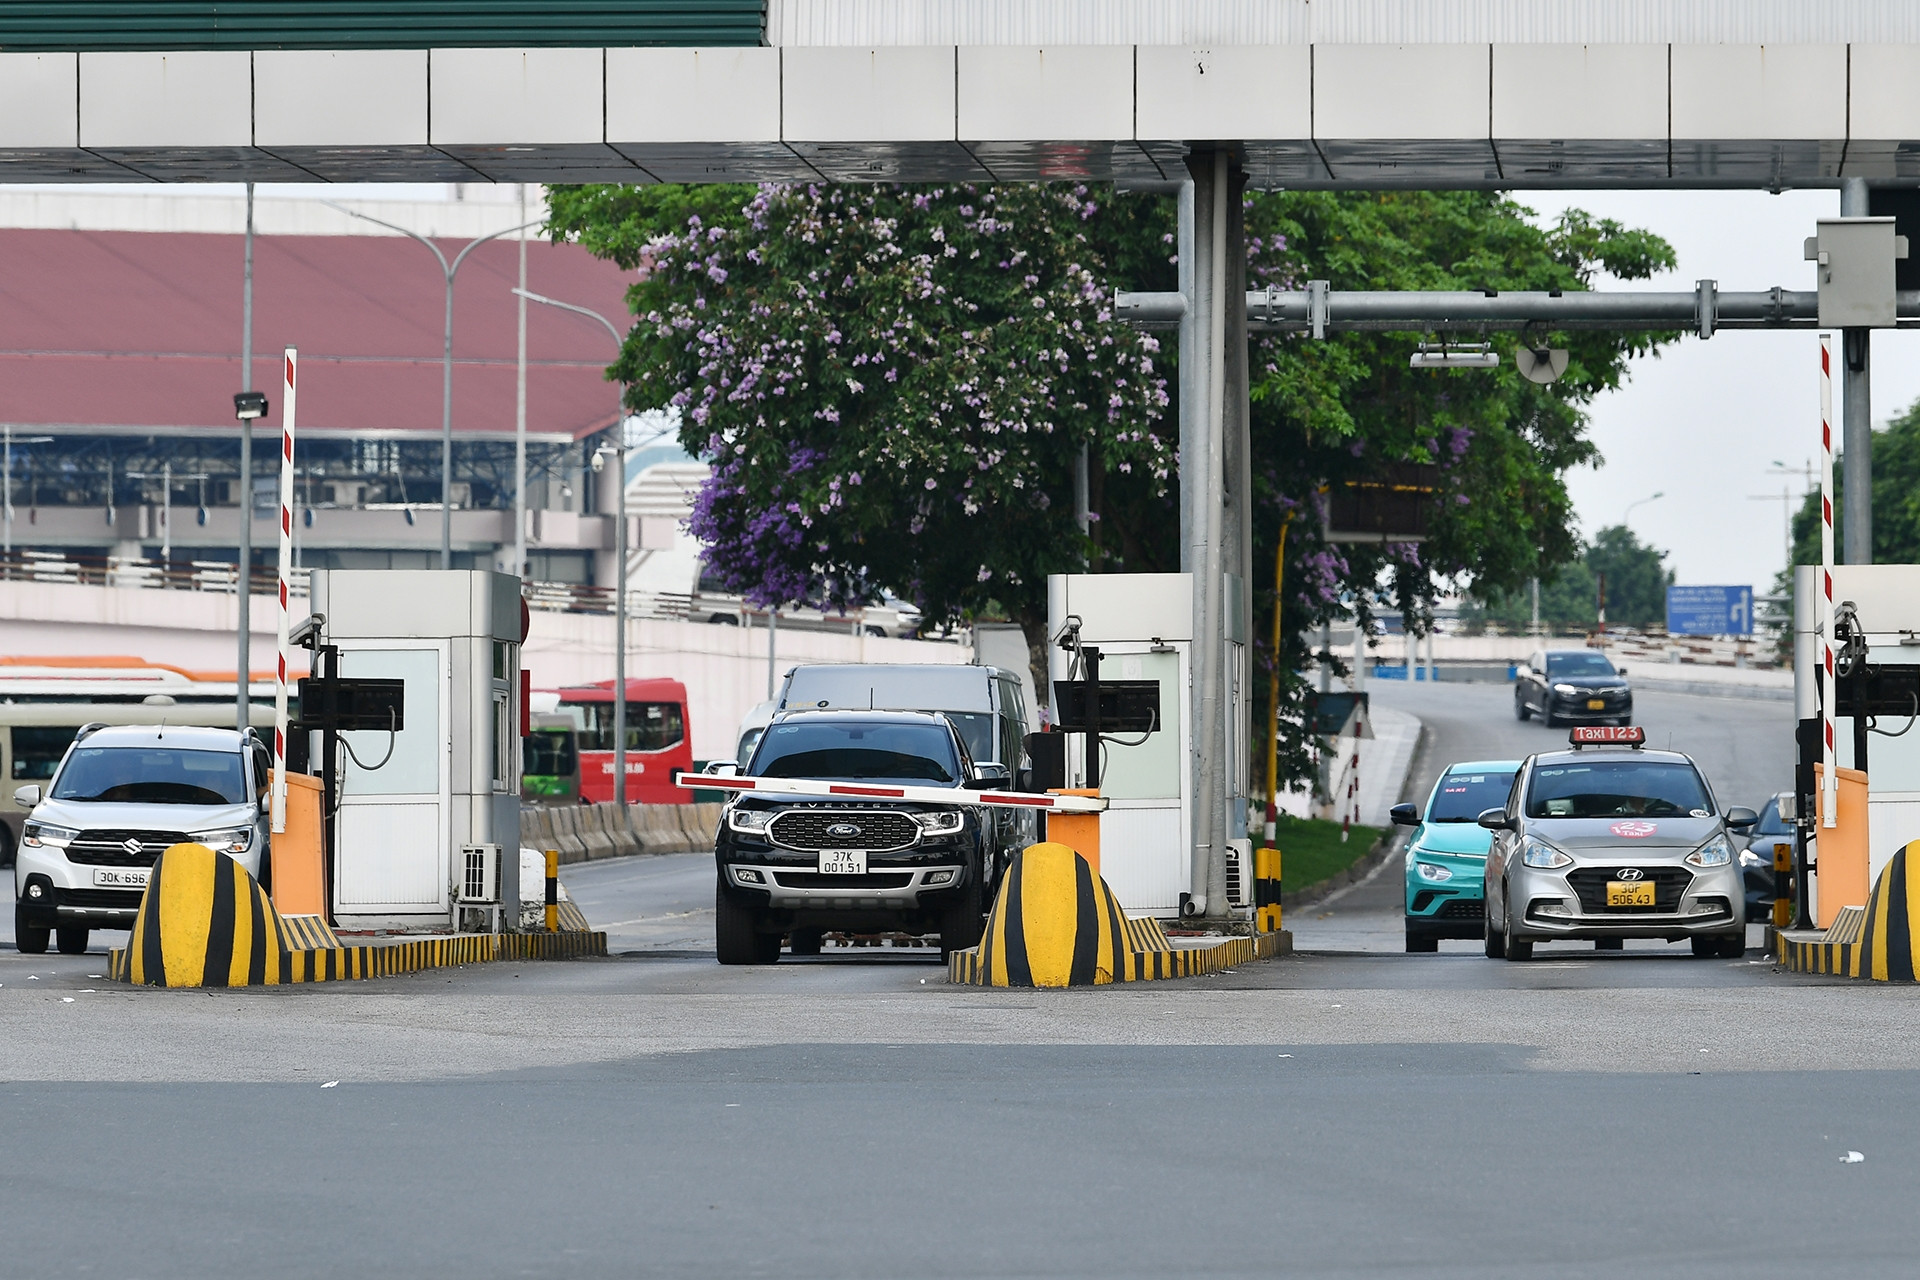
(152, 775)
(1578, 664)
(1462, 797)
(864, 752)
(1617, 789)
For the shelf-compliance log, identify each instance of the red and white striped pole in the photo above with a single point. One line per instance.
(285, 623)
(1829, 782)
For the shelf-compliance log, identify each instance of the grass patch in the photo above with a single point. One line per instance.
(1311, 851)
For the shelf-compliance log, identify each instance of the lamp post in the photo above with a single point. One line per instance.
(619, 451)
(248, 405)
(449, 270)
(1628, 513)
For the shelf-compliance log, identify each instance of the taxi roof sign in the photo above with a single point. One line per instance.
(1608, 735)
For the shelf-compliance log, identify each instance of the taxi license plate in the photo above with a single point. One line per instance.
(1627, 893)
(1596, 704)
(843, 862)
(121, 877)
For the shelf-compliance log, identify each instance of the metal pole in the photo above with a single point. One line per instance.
(520, 413)
(1082, 508)
(1830, 780)
(243, 595)
(620, 608)
(1208, 370)
(8, 501)
(166, 515)
(1273, 683)
(773, 637)
(1856, 386)
(1534, 629)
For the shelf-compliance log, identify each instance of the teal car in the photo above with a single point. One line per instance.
(1447, 857)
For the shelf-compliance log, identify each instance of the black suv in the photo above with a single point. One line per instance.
(1572, 686)
(798, 866)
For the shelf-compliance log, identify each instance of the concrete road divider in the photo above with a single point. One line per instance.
(204, 922)
(590, 832)
(1056, 924)
(1879, 943)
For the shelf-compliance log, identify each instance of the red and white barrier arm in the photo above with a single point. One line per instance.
(689, 781)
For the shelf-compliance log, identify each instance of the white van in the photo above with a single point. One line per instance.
(985, 703)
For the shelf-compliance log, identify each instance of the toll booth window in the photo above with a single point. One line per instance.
(499, 660)
(503, 736)
(651, 726)
(37, 751)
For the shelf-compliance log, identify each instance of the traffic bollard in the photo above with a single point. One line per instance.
(553, 891)
(1782, 885)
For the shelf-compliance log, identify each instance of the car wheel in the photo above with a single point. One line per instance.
(1513, 946)
(1729, 946)
(1418, 940)
(1547, 717)
(1609, 944)
(73, 939)
(1496, 942)
(6, 847)
(737, 938)
(1521, 711)
(805, 942)
(30, 938)
(963, 920)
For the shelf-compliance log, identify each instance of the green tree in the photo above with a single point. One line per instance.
(1896, 502)
(1636, 580)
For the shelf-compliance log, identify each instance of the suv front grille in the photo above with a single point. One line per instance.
(107, 847)
(875, 830)
(1669, 883)
(117, 899)
(852, 884)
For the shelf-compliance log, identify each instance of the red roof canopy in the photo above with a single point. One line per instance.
(130, 329)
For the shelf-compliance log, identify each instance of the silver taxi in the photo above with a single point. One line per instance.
(1608, 841)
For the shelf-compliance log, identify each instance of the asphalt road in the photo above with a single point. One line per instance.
(1344, 1113)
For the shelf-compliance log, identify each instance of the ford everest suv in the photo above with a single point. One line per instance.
(798, 866)
(121, 796)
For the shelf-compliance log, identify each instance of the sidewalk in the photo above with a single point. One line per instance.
(1385, 761)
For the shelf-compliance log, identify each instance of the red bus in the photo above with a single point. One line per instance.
(658, 740)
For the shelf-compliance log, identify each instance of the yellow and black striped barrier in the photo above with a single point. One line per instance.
(1266, 889)
(204, 922)
(1056, 924)
(1879, 944)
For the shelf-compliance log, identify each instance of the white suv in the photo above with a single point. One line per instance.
(121, 796)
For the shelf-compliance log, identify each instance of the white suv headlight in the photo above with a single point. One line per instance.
(940, 824)
(225, 839)
(1714, 853)
(35, 834)
(1539, 854)
(1565, 690)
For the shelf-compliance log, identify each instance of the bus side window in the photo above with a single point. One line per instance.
(37, 750)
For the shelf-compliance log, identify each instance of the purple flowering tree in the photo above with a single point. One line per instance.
(892, 384)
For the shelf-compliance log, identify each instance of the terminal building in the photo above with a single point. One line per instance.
(120, 353)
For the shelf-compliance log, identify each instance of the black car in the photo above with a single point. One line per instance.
(799, 866)
(1756, 860)
(1572, 686)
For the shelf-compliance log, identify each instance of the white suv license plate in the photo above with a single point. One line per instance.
(121, 877)
(843, 862)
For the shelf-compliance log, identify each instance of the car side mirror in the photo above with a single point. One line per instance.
(266, 801)
(1023, 780)
(723, 768)
(1404, 815)
(1620, 671)
(27, 797)
(990, 777)
(1495, 820)
(1741, 818)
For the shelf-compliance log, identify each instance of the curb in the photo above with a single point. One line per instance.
(1878, 944)
(385, 959)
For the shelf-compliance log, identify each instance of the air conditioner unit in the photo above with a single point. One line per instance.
(1239, 873)
(479, 875)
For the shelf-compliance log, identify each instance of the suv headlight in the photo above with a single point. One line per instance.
(36, 834)
(1433, 871)
(224, 839)
(941, 824)
(751, 822)
(1539, 854)
(1565, 690)
(1714, 853)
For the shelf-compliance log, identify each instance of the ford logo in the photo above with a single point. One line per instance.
(843, 829)
(132, 846)
(1630, 873)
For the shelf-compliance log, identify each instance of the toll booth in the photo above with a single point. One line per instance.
(1142, 624)
(430, 815)
(1877, 720)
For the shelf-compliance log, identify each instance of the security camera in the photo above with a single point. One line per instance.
(599, 463)
(248, 405)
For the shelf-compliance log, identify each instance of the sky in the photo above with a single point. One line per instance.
(1703, 422)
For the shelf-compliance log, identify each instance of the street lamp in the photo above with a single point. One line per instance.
(446, 362)
(618, 449)
(1628, 514)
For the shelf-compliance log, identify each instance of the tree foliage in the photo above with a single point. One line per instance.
(1636, 579)
(1896, 501)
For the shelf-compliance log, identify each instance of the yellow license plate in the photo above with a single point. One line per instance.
(1596, 704)
(1627, 893)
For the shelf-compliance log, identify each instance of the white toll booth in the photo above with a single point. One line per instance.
(428, 817)
(1142, 623)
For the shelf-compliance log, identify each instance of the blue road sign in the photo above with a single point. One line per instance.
(1710, 611)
